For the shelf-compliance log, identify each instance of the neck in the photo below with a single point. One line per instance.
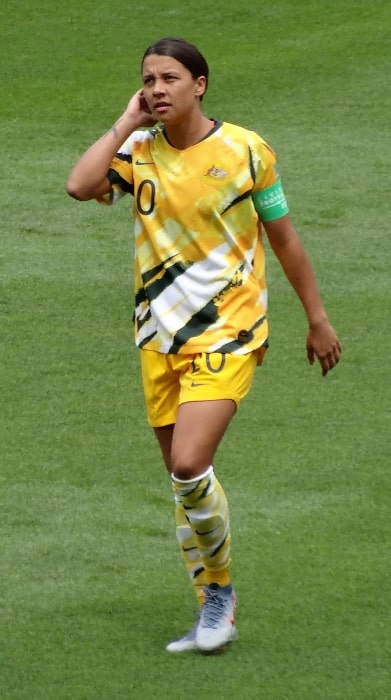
(187, 134)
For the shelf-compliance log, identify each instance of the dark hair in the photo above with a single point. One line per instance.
(182, 51)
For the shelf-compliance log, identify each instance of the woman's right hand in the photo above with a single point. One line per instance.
(138, 110)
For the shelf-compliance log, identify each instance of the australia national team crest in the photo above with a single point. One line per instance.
(216, 172)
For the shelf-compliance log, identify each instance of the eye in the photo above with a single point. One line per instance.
(147, 80)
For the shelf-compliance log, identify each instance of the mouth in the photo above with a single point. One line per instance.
(161, 107)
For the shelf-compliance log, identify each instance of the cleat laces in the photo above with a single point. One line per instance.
(213, 609)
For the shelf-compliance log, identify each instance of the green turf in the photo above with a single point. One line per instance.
(91, 581)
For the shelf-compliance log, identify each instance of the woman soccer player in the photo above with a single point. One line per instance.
(202, 191)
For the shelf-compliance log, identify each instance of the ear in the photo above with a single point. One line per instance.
(200, 86)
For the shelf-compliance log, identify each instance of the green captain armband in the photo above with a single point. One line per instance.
(270, 203)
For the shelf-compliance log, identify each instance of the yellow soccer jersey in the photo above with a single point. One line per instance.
(199, 260)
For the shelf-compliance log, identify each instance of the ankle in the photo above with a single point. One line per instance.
(221, 577)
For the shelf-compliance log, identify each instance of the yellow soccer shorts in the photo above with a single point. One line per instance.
(170, 380)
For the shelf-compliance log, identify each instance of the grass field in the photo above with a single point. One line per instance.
(92, 584)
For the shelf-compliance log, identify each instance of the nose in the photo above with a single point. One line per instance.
(158, 88)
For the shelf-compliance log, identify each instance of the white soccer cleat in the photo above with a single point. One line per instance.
(185, 643)
(216, 626)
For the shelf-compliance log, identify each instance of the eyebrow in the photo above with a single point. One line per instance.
(165, 72)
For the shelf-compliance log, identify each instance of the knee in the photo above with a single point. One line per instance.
(187, 466)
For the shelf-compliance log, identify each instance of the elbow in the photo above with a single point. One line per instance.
(79, 189)
(76, 191)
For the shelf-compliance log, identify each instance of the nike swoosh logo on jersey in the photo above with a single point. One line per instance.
(197, 384)
(142, 162)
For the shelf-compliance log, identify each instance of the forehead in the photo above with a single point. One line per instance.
(156, 64)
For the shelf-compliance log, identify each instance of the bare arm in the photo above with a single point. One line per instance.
(88, 178)
(322, 341)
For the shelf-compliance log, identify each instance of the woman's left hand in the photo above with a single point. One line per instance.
(323, 343)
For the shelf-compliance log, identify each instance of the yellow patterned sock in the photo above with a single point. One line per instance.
(190, 553)
(206, 511)
(222, 577)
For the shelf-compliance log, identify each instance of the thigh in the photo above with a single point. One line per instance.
(164, 436)
(199, 428)
(190, 401)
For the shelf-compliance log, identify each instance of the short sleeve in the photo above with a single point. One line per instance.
(120, 173)
(268, 195)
